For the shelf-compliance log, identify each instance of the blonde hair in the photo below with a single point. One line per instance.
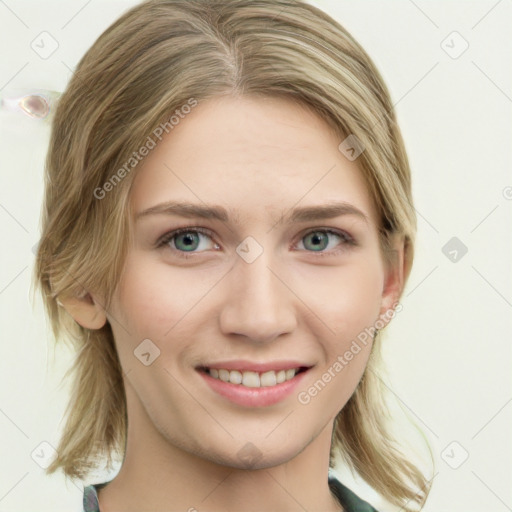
(149, 63)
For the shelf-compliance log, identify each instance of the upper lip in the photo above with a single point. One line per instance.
(244, 365)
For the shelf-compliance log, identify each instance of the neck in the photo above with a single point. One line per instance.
(158, 475)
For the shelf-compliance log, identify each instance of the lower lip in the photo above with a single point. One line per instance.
(253, 397)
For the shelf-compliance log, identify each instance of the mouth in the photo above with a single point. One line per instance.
(253, 385)
(253, 379)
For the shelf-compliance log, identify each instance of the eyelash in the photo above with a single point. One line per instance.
(165, 239)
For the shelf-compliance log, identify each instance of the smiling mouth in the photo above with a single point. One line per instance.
(253, 379)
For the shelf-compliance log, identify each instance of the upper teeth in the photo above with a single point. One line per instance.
(253, 379)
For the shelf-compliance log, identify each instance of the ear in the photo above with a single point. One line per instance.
(396, 270)
(85, 310)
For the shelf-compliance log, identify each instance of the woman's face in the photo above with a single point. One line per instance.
(261, 281)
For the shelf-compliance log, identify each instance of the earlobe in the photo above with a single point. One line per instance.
(85, 311)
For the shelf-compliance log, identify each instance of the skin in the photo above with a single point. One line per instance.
(258, 158)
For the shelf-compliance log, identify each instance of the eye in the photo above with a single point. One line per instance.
(319, 241)
(189, 240)
(185, 240)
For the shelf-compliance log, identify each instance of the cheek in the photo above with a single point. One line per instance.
(350, 310)
(346, 298)
(153, 298)
(362, 298)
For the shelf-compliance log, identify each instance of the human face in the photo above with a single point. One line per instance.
(255, 287)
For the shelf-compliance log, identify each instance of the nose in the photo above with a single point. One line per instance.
(258, 304)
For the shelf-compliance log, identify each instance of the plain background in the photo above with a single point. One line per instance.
(448, 352)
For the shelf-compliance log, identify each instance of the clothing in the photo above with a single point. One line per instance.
(349, 500)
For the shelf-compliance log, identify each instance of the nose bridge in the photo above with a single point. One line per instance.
(258, 304)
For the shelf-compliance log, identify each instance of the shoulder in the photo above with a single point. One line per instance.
(350, 501)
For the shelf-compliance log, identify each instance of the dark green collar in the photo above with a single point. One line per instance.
(349, 500)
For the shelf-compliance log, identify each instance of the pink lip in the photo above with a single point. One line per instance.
(244, 365)
(252, 397)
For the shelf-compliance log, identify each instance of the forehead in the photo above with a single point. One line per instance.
(256, 156)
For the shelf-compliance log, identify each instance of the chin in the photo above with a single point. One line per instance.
(250, 457)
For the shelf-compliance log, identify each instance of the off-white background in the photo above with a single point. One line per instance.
(448, 352)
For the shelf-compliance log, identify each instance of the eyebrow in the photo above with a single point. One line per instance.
(215, 212)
